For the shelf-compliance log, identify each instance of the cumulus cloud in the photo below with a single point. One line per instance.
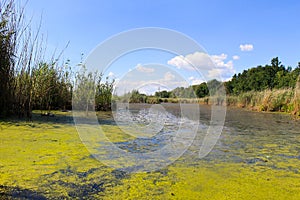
(200, 60)
(191, 78)
(215, 73)
(141, 68)
(195, 81)
(235, 57)
(111, 74)
(246, 47)
(148, 86)
(169, 76)
(219, 61)
(148, 83)
(216, 66)
(190, 61)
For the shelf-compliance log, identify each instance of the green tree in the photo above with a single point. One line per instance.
(213, 86)
(136, 97)
(261, 78)
(201, 90)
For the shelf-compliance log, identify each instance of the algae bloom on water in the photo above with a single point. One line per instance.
(257, 157)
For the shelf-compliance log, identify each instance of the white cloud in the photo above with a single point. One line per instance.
(215, 73)
(195, 81)
(191, 78)
(216, 66)
(148, 86)
(169, 76)
(150, 82)
(111, 74)
(179, 62)
(235, 57)
(222, 74)
(219, 61)
(246, 47)
(190, 61)
(200, 60)
(140, 68)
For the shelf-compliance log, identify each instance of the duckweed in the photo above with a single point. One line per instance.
(47, 160)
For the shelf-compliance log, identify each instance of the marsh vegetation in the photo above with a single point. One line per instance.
(43, 157)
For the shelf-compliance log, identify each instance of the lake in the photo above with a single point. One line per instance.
(257, 156)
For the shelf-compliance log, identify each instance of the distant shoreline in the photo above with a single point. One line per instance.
(282, 101)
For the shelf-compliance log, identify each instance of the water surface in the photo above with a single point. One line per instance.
(256, 157)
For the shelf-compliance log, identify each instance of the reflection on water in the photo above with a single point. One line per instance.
(153, 138)
(247, 137)
(153, 128)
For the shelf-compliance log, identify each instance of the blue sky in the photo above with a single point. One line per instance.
(270, 27)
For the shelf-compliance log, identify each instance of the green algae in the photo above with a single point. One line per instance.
(222, 181)
(47, 159)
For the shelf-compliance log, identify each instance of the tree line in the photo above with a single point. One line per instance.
(194, 91)
(272, 87)
(273, 76)
(270, 76)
